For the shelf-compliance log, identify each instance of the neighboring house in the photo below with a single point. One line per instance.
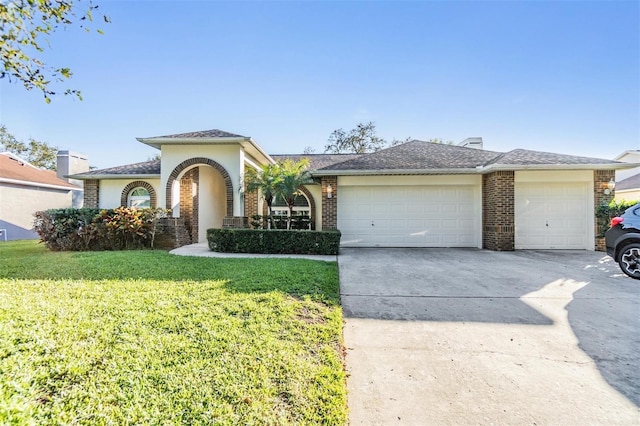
(26, 189)
(418, 194)
(628, 181)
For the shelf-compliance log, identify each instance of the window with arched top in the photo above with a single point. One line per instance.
(301, 206)
(139, 198)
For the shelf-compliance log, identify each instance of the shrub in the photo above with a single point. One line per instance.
(279, 241)
(606, 212)
(95, 229)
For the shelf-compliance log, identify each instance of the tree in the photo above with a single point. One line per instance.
(39, 154)
(265, 180)
(24, 24)
(360, 140)
(292, 176)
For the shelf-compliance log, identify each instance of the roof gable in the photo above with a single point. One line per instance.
(202, 134)
(146, 168)
(14, 168)
(632, 182)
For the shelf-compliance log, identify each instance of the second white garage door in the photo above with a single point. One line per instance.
(409, 216)
(553, 215)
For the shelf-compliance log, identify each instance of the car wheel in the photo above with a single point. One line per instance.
(630, 260)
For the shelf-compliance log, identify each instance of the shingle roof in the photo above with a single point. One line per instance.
(632, 182)
(12, 167)
(523, 156)
(145, 168)
(419, 155)
(203, 134)
(318, 161)
(414, 156)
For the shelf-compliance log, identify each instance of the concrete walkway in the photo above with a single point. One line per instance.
(202, 250)
(473, 337)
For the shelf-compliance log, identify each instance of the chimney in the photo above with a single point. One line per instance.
(70, 163)
(475, 142)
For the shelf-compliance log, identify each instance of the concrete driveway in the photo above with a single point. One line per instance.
(465, 336)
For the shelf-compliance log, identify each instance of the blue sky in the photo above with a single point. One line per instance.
(549, 76)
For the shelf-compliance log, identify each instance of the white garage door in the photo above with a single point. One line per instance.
(552, 215)
(408, 216)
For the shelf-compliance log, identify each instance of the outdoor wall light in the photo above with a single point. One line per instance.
(329, 191)
(610, 187)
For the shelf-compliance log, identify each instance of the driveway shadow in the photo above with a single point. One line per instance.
(605, 317)
(573, 293)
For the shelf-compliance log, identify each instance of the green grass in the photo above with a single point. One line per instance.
(145, 337)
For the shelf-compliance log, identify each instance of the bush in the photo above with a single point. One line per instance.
(606, 212)
(273, 241)
(95, 229)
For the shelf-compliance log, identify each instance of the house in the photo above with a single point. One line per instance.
(26, 189)
(418, 194)
(628, 181)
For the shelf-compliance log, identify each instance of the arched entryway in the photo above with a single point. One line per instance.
(200, 191)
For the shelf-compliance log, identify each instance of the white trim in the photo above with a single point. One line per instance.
(477, 170)
(81, 176)
(37, 184)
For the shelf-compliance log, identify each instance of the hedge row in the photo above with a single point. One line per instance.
(97, 229)
(274, 241)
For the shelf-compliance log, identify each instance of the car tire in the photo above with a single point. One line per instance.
(629, 260)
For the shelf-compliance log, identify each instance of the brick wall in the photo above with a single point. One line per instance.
(171, 233)
(189, 202)
(139, 184)
(600, 180)
(251, 203)
(92, 193)
(330, 205)
(498, 211)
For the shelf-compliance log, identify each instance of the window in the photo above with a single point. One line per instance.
(301, 213)
(300, 206)
(139, 198)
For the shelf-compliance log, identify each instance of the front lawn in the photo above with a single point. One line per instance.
(145, 337)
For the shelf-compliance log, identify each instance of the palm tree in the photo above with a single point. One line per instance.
(266, 180)
(292, 176)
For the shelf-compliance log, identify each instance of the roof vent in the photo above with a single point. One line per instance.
(472, 143)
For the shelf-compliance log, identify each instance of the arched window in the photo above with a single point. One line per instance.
(139, 198)
(300, 206)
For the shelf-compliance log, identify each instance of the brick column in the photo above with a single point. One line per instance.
(250, 203)
(92, 193)
(330, 205)
(498, 211)
(600, 180)
(189, 202)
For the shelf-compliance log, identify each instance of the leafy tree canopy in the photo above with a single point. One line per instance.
(40, 154)
(24, 27)
(360, 140)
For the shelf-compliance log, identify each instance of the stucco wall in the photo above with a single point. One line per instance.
(19, 203)
(212, 197)
(111, 191)
(228, 156)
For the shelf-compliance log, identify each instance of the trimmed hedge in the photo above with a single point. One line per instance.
(273, 241)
